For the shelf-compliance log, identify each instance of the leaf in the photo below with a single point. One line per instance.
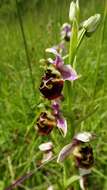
(99, 173)
(73, 42)
(72, 180)
(1, 185)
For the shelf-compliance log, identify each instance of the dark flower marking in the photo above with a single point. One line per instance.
(45, 123)
(85, 158)
(52, 84)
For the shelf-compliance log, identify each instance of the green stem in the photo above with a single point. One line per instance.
(19, 181)
(80, 39)
(64, 176)
(73, 41)
(25, 46)
(69, 95)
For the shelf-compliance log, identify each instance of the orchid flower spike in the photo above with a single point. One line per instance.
(60, 120)
(66, 71)
(46, 148)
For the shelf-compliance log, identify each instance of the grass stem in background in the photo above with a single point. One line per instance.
(100, 48)
(10, 168)
(25, 46)
(28, 175)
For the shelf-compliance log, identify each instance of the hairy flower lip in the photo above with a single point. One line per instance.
(52, 84)
(86, 159)
(45, 123)
(55, 90)
(46, 130)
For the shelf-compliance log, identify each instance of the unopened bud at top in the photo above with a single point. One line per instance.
(74, 11)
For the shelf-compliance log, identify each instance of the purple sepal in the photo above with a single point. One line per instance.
(67, 72)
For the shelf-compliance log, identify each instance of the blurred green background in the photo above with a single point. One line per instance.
(19, 142)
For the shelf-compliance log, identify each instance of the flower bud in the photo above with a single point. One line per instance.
(66, 32)
(72, 11)
(52, 84)
(77, 10)
(46, 148)
(91, 24)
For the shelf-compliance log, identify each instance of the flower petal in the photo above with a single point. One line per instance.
(62, 124)
(66, 27)
(66, 151)
(68, 73)
(50, 60)
(46, 146)
(84, 137)
(52, 50)
(59, 62)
